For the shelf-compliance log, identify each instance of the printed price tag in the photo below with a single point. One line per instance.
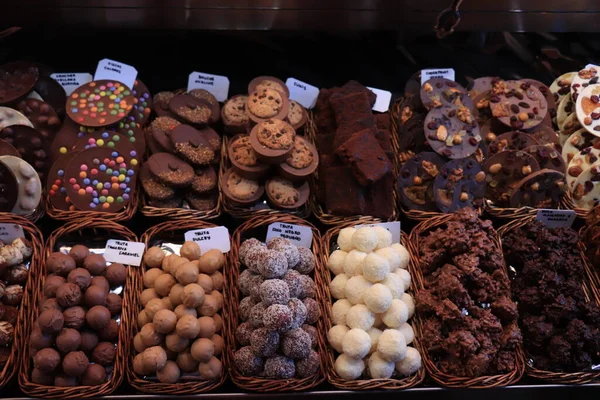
(300, 235)
(117, 71)
(302, 92)
(556, 218)
(71, 81)
(124, 252)
(427, 74)
(217, 85)
(210, 238)
(393, 227)
(10, 232)
(382, 103)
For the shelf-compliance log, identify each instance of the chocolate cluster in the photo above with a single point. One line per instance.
(469, 320)
(560, 326)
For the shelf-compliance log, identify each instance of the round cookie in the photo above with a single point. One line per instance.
(42, 116)
(100, 103)
(542, 189)
(142, 103)
(587, 108)
(9, 188)
(584, 78)
(267, 104)
(234, 115)
(155, 189)
(441, 92)
(67, 136)
(161, 104)
(460, 183)
(208, 97)
(586, 158)
(201, 202)
(452, 132)
(31, 145)
(9, 116)
(547, 157)
(561, 86)
(57, 193)
(504, 171)
(191, 109)
(52, 93)
(415, 182)
(205, 180)
(7, 149)
(520, 105)
(296, 115)
(268, 82)
(29, 185)
(578, 141)
(272, 140)
(17, 79)
(171, 170)
(511, 141)
(192, 145)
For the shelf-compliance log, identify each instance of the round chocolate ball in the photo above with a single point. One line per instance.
(247, 363)
(147, 295)
(154, 359)
(175, 343)
(164, 321)
(51, 321)
(101, 281)
(95, 374)
(81, 277)
(95, 263)
(154, 257)
(50, 304)
(116, 274)
(163, 284)
(61, 264)
(95, 296)
(114, 303)
(211, 369)
(218, 322)
(51, 285)
(79, 253)
(97, 317)
(207, 327)
(104, 354)
(219, 344)
(46, 360)
(150, 336)
(188, 327)
(169, 373)
(190, 250)
(186, 362)
(203, 349)
(63, 380)
(110, 332)
(74, 317)
(68, 295)
(68, 340)
(218, 280)
(89, 341)
(75, 363)
(39, 340)
(41, 378)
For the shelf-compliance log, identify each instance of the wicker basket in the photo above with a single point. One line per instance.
(514, 213)
(96, 231)
(481, 382)
(329, 241)
(180, 213)
(38, 212)
(173, 231)
(124, 215)
(33, 234)
(568, 204)
(256, 227)
(592, 294)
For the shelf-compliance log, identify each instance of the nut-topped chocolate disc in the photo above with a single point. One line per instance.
(584, 78)
(452, 132)
(581, 161)
(546, 136)
(100, 103)
(587, 109)
(576, 142)
(511, 141)
(31, 145)
(545, 90)
(460, 183)
(441, 92)
(153, 187)
(542, 189)
(586, 190)
(42, 116)
(547, 157)
(192, 145)
(518, 104)
(9, 189)
(161, 104)
(17, 79)
(191, 109)
(561, 86)
(28, 183)
(504, 171)
(480, 85)
(416, 179)
(57, 192)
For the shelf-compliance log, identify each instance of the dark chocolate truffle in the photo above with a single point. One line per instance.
(312, 310)
(51, 321)
(114, 303)
(278, 318)
(264, 342)
(61, 264)
(104, 354)
(110, 332)
(116, 274)
(308, 366)
(68, 295)
(51, 285)
(46, 360)
(41, 378)
(299, 312)
(102, 282)
(74, 317)
(296, 344)
(75, 363)
(39, 340)
(312, 332)
(280, 367)
(274, 291)
(95, 263)
(89, 341)
(293, 279)
(97, 317)
(95, 296)
(63, 380)
(68, 340)
(79, 252)
(50, 304)
(247, 363)
(243, 333)
(81, 277)
(95, 374)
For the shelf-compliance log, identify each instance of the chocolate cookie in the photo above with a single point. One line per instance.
(9, 189)
(201, 202)
(576, 142)
(547, 157)
(586, 190)
(31, 145)
(561, 86)
(267, 103)
(542, 189)
(205, 180)
(100, 103)
(206, 96)
(161, 104)
(152, 144)
(67, 136)
(142, 103)
(520, 105)
(191, 109)
(155, 189)
(57, 192)
(587, 109)
(511, 141)
(17, 79)
(584, 78)
(161, 129)
(441, 92)
(192, 145)
(452, 132)
(29, 185)
(7, 149)
(42, 116)
(460, 183)
(234, 115)
(416, 180)
(9, 116)
(581, 161)
(52, 93)
(504, 171)
(171, 170)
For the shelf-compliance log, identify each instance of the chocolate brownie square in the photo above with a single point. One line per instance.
(363, 154)
(345, 132)
(357, 87)
(384, 137)
(383, 121)
(379, 198)
(324, 115)
(343, 194)
(350, 107)
(325, 143)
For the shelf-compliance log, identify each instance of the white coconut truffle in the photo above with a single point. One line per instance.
(407, 330)
(392, 345)
(336, 262)
(337, 287)
(349, 368)
(396, 315)
(384, 238)
(405, 276)
(355, 289)
(374, 334)
(378, 298)
(356, 343)
(353, 263)
(359, 317)
(404, 256)
(410, 304)
(365, 239)
(409, 364)
(345, 239)
(378, 322)
(395, 284)
(339, 309)
(379, 368)
(391, 255)
(375, 268)
(336, 335)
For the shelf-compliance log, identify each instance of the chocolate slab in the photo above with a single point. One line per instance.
(7, 149)
(480, 85)
(42, 116)
(519, 105)
(547, 157)
(9, 189)
(67, 136)
(100, 103)
(342, 193)
(514, 140)
(416, 179)
(546, 136)
(31, 145)
(441, 92)
(57, 193)
(504, 171)
(17, 79)
(460, 183)
(452, 132)
(52, 93)
(542, 189)
(482, 110)
(363, 154)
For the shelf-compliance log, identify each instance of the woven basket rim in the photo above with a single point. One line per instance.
(180, 213)
(72, 216)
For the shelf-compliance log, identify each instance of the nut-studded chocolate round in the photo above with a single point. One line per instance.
(587, 109)
(542, 189)
(576, 142)
(452, 131)
(584, 78)
(460, 183)
(581, 161)
(441, 92)
(480, 85)
(57, 192)
(101, 179)
(415, 182)
(9, 189)
(171, 170)
(100, 103)
(7, 149)
(52, 93)
(547, 157)
(132, 130)
(561, 86)
(142, 103)
(9, 116)
(504, 171)
(42, 116)
(545, 90)
(481, 107)
(565, 108)
(586, 190)
(191, 109)
(31, 145)
(546, 136)
(570, 126)
(514, 140)
(17, 79)
(192, 145)
(66, 138)
(154, 188)
(519, 105)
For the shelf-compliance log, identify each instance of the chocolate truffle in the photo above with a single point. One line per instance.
(219, 343)
(209, 306)
(154, 257)
(46, 360)
(187, 273)
(138, 365)
(307, 261)
(17, 275)
(138, 345)
(193, 295)
(63, 380)
(147, 295)
(75, 363)
(211, 369)
(10, 315)
(296, 344)
(95, 374)
(274, 291)
(114, 303)
(39, 340)
(51, 321)
(97, 317)
(13, 295)
(41, 378)
(163, 284)
(218, 280)
(211, 261)
(7, 333)
(50, 304)
(61, 264)
(104, 354)
(247, 363)
(312, 332)
(150, 336)
(151, 275)
(287, 248)
(51, 285)
(278, 317)
(68, 340)
(164, 321)
(188, 327)
(79, 253)
(68, 295)
(155, 358)
(176, 343)
(205, 281)
(256, 315)
(116, 274)
(190, 250)
(74, 317)
(186, 362)
(207, 327)
(280, 367)
(110, 333)
(299, 312)
(89, 341)
(294, 282)
(218, 322)
(308, 366)
(264, 342)
(182, 310)
(95, 295)
(143, 319)
(100, 281)
(95, 263)
(154, 306)
(169, 373)
(81, 277)
(202, 350)
(312, 310)
(245, 307)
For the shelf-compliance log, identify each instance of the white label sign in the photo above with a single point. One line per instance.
(427, 74)
(117, 71)
(217, 85)
(124, 252)
(300, 235)
(10, 232)
(556, 218)
(382, 103)
(71, 81)
(393, 227)
(302, 92)
(210, 238)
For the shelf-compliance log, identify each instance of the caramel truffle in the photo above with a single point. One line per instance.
(51, 321)
(209, 306)
(114, 303)
(153, 306)
(100, 281)
(39, 340)
(218, 280)
(116, 274)
(89, 341)
(163, 284)
(68, 295)
(81, 277)
(219, 344)
(95, 374)
(164, 321)
(218, 322)
(75, 363)
(203, 349)
(150, 336)
(79, 253)
(68, 340)
(95, 296)
(187, 273)
(97, 317)
(206, 282)
(188, 327)
(186, 362)
(169, 373)
(46, 360)
(41, 378)
(193, 295)
(52, 283)
(150, 277)
(211, 369)
(61, 264)
(104, 354)
(74, 317)
(176, 343)
(207, 327)
(110, 333)
(147, 295)
(154, 358)
(154, 257)
(143, 319)
(190, 250)
(182, 310)
(50, 304)
(95, 263)
(211, 261)
(176, 294)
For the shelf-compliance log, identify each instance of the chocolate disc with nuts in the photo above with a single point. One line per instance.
(416, 180)
(191, 109)
(171, 170)
(570, 126)
(586, 190)
(441, 92)
(547, 157)
(480, 85)
(561, 86)
(482, 110)
(586, 158)
(511, 141)
(504, 171)
(576, 142)
(452, 132)
(584, 78)
(519, 105)
(546, 136)
(545, 90)
(192, 145)
(460, 183)
(587, 109)
(542, 189)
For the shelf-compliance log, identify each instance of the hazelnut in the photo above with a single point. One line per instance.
(526, 170)
(190, 250)
(427, 87)
(457, 139)
(442, 133)
(523, 116)
(464, 196)
(417, 180)
(535, 186)
(495, 168)
(154, 257)
(480, 177)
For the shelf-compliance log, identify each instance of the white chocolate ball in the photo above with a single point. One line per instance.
(380, 368)
(404, 256)
(374, 334)
(407, 330)
(345, 239)
(339, 309)
(405, 276)
(378, 298)
(337, 287)
(356, 343)
(392, 345)
(353, 263)
(349, 368)
(355, 289)
(392, 257)
(395, 284)
(359, 317)
(396, 315)
(375, 268)
(409, 364)
(336, 335)
(384, 237)
(336, 262)
(410, 304)
(365, 239)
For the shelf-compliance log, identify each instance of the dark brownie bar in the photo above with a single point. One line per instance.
(345, 132)
(343, 194)
(324, 115)
(357, 87)
(383, 121)
(384, 137)
(351, 107)
(325, 143)
(379, 198)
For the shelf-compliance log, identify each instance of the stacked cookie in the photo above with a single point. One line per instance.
(372, 310)
(356, 174)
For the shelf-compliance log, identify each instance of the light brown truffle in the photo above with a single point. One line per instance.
(190, 250)
(154, 257)
(211, 261)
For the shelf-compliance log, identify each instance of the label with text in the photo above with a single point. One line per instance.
(393, 227)
(382, 103)
(427, 74)
(302, 92)
(124, 252)
(300, 235)
(10, 232)
(210, 238)
(216, 85)
(117, 71)
(71, 81)
(556, 218)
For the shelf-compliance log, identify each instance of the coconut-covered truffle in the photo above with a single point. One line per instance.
(246, 281)
(296, 344)
(375, 268)
(336, 262)
(378, 298)
(274, 291)
(257, 314)
(404, 256)
(339, 309)
(299, 312)
(279, 367)
(245, 307)
(313, 312)
(384, 237)
(243, 333)
(392, 345)
(379, 368)
(353, 262)
(287, 248)
(356, 343)
(374, 334)
(348, 367)
(355, 289)
(396, 315)
(272, 264)
(345, 239)
(307, 261)
(407, 331)
(394, 284)
(405, 276)
(312, 332)
(251, 254)
(336, 335)
(264, 342)
(392, 256)
(308, 366)
(294, 280)
(410, 364)
(337, 287)
(308, 287)
(359, 317)
(247, 363)
(278, 317)
(246, 247)
(365, 239)
(410, 304)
